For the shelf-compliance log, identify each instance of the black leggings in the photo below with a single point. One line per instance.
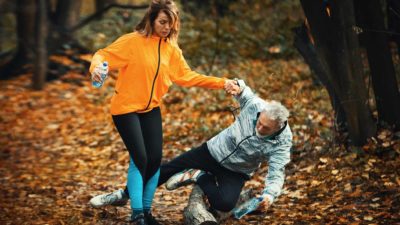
(222, 187)
(142, 136)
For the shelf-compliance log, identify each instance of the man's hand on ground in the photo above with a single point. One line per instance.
(264, 205)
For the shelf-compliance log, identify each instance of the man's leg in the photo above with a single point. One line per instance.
(196, 158)
(222, 188)
(193, 159)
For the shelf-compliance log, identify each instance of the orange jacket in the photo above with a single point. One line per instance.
(147, 67)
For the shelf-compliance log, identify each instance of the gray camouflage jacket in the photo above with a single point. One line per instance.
(239, 149)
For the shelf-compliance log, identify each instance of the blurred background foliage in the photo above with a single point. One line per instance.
(211, 38)
(247, 29)
(207, 37)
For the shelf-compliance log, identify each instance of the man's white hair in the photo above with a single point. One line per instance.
(277, 112)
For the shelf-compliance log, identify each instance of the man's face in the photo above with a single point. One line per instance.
(266, 126)
(162, 25)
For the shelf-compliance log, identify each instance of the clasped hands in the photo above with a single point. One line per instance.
(232, 87)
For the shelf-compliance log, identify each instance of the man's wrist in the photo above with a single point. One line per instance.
(236, 81)
(240, 84)
(269, 198)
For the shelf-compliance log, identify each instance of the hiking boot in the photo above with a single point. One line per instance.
(138, 220)
(116, 198)
(183, 178)
(150, 219)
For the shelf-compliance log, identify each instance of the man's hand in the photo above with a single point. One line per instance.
(231, 87)
(264, 205)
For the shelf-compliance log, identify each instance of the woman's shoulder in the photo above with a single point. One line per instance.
(127, 38)
(174, 46)
(131, 35)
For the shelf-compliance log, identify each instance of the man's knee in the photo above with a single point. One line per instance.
(224, 204)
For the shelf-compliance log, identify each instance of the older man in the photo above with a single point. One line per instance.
(222, 165)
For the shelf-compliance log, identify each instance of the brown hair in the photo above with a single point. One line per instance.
(145, 26)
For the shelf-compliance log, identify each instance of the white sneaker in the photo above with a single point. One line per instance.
(116, 198)
(183, 178)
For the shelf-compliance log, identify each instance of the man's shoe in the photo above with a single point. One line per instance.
(150, 219)
(116, 198)
(183, 178)
(138, 220)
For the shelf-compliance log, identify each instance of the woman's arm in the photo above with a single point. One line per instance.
(182, 75)
(116, 54)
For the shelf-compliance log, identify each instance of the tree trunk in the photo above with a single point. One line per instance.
(393, 13)
(196, 213)
(25, 16)
(65, 17)
(306, 48)
(2, 3)
(387, 96)
(39, 76)
(7, 6)
(67, 13)
(337, 47)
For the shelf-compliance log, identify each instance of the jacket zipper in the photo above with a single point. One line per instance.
(155, 77)
(237, 147)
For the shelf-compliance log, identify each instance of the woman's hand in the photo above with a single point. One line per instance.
(231, 87)
(96, 74)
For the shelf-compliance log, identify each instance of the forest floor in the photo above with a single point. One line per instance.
(59, 148)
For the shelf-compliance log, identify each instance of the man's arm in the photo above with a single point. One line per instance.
(276, 173)
(245, 94)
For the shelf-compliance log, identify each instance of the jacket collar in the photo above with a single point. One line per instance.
(153, 37)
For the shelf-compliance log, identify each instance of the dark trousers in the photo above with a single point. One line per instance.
(221, 186)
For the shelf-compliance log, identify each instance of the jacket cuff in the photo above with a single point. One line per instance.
(241, 84)
(269, 197)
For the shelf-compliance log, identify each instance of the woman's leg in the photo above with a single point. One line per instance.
(128, 126)
(151, 124)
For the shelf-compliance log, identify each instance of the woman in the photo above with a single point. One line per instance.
(149, 61)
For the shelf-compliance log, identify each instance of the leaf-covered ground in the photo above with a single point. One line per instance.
(58, 148)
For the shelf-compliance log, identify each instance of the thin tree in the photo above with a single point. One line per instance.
(39, 75)
(24, 53)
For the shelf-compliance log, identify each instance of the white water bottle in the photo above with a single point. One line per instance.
(103, 73)
(247, 207)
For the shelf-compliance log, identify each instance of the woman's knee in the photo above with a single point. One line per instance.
(154, 161)
(139, 162)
